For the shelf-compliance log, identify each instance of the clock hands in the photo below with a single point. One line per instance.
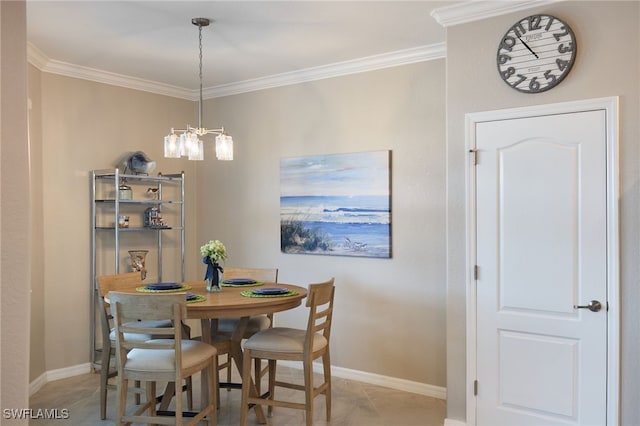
(528, 48)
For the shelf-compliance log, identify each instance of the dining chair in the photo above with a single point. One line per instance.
(226, 326)
(167, 358)
(122, 282)
(280, 343)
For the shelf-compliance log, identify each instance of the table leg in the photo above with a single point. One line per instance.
(205, 325)
(169, 392)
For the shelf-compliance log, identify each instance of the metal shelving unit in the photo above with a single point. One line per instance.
(106, 209)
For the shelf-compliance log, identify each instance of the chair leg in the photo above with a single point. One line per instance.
(189, 393)
(179, 408)
(217, 380)
(271, 384)
(229, 365)
(308, 391)
(123, 385)
(246, 379)
(258, 374)
(136, 384)
(212, 374)
(326, 364)
(104, 379)
(151, 396)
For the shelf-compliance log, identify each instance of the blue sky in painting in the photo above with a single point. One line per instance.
(365, 173)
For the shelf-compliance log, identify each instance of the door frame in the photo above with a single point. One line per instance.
(610, 106)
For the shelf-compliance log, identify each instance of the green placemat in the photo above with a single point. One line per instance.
(257, 283)
(249, 293)
(198, 298)
(143, 289)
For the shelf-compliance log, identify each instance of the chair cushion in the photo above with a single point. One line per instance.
(283, 340)
(163, 360)
(141, 337)
(257, 323)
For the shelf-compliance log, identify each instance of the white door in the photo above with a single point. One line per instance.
(541, 252)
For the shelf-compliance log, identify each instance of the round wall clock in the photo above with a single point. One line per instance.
(536, 53)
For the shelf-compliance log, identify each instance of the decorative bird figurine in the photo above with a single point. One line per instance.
(152, 192)
(140, 163)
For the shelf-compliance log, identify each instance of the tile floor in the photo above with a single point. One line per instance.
(354, 404)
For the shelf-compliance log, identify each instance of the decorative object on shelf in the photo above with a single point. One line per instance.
(123, 221)
(152, 193)
(188, 143)
(138, 258)
(124, 191)
(153, 218)
(140, 163)
(213, 252)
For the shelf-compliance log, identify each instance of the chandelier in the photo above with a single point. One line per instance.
(188, 143)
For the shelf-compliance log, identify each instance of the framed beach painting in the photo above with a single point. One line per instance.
(338, 204)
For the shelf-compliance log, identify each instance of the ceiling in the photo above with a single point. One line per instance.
(155, 41)
(152, 45)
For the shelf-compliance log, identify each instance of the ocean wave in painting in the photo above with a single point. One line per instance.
(341, 225)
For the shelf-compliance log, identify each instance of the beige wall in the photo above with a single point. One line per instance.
(608, 64)
(88, 125)
(15, 226)
(389, 316)
(37, 352)
(84, 126)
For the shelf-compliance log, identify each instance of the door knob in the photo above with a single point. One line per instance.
(593, 306)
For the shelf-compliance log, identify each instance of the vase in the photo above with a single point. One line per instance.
(138, 258)
(213, 279)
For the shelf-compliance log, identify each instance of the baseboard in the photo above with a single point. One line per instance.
(344, 373)
(60, 373)
(379, 380)
(451, 422)
(38, 383)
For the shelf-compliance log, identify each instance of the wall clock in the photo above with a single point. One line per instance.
(536, 53)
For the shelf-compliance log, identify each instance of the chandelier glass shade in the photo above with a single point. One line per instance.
(186, 142)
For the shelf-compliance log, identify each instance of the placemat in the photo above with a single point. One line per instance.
(257, 283)
(198, 298)
(248, 293)
(143, 289)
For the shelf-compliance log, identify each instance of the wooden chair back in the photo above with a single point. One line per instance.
(131, 311)
(320, 304)
(119, 282)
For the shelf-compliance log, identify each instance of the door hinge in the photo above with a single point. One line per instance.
(475, 388)
(474, 156)
(475, 272)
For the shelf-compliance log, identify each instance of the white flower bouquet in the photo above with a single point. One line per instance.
(214, 250)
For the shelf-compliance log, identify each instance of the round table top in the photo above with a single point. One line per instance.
(229, 303)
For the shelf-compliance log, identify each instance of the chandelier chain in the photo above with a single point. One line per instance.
(200, 74)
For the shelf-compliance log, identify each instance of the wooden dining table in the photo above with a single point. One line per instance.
(230, 303)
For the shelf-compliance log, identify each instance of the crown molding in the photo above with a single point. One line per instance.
(45, 64)
(355, 66)
(392, 59)
(475, 10)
